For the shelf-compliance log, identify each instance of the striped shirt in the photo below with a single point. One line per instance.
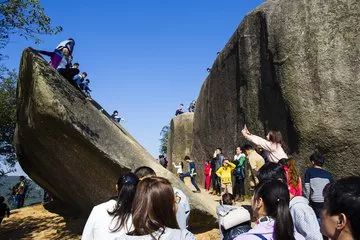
(315, 181)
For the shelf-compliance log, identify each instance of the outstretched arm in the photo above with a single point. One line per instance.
(256, 139)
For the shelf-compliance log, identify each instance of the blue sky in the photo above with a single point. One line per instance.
(143, 58)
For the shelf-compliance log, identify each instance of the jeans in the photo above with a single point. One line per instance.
(215, 183)
(193, 182)
(239, 187)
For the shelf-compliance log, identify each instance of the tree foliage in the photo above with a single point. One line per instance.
(25, 18)
(164, 137)
(7, 122)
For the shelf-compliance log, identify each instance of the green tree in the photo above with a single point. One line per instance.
(7, 122)
(25, 18)
(164, 137)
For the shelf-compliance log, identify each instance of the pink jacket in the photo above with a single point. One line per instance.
(274, 151)
(265, 229)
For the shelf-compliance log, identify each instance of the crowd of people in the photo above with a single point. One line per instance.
(61, 60)
(181, 109)
(284, 205)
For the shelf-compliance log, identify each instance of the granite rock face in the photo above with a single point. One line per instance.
(291, 66)
(180, 138)
(73, 150)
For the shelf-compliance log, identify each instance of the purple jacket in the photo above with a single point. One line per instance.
(266, 229)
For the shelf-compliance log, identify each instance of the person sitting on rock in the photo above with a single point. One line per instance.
(192, 106)
(182, 202)
(115, 116)
(180, 110)
(56, 56)
(111, 219)
(272, 145)
(70, 71)
(192, 173)
(4, 209)
(233, 220)
(84, 86)
(154, 212)
(64, 50)
(79, 78)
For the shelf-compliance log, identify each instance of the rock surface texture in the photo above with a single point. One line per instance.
(73, 150)
(292, 66)
(180, 138)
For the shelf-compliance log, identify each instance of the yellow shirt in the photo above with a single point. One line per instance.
(224, 173)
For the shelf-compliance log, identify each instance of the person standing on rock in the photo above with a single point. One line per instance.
(216, 163)
(225, 175)
(316, 178)
(192, 173)
(272, 145)
(110, 219)
(207, 173)
(239, 175)
(255, 163)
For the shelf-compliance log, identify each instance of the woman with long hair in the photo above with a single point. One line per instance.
(111, 219)
(154, 212)
(340, 218)
(293, 178)
(273, 145)
(270, 205)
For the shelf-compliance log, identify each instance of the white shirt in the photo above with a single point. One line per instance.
(100, 223)
(178, 168)
(183, 208)
(169, 234)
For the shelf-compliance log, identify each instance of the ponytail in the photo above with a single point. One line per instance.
(276, 198)
(284, 228)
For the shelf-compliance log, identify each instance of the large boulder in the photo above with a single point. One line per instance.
(180, 138)
(73, 150)
(292, 66)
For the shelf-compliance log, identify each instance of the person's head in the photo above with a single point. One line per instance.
(238, 151)
(87, 80)
(181, 105)
(84, 74)
(65, 51)
(283, 161)
(293, 173)
(247, 148)
(227, 199)
(275, 137)
(317, 159)
(187, 158)
(21, 178)
(144, 172)
(271, 198)
(2, 199)
(115, 112)
(271, 171)
(340, 216)
(226, 162)
(154, 206)
(218, 150)
(126, 188)
(75, 65)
